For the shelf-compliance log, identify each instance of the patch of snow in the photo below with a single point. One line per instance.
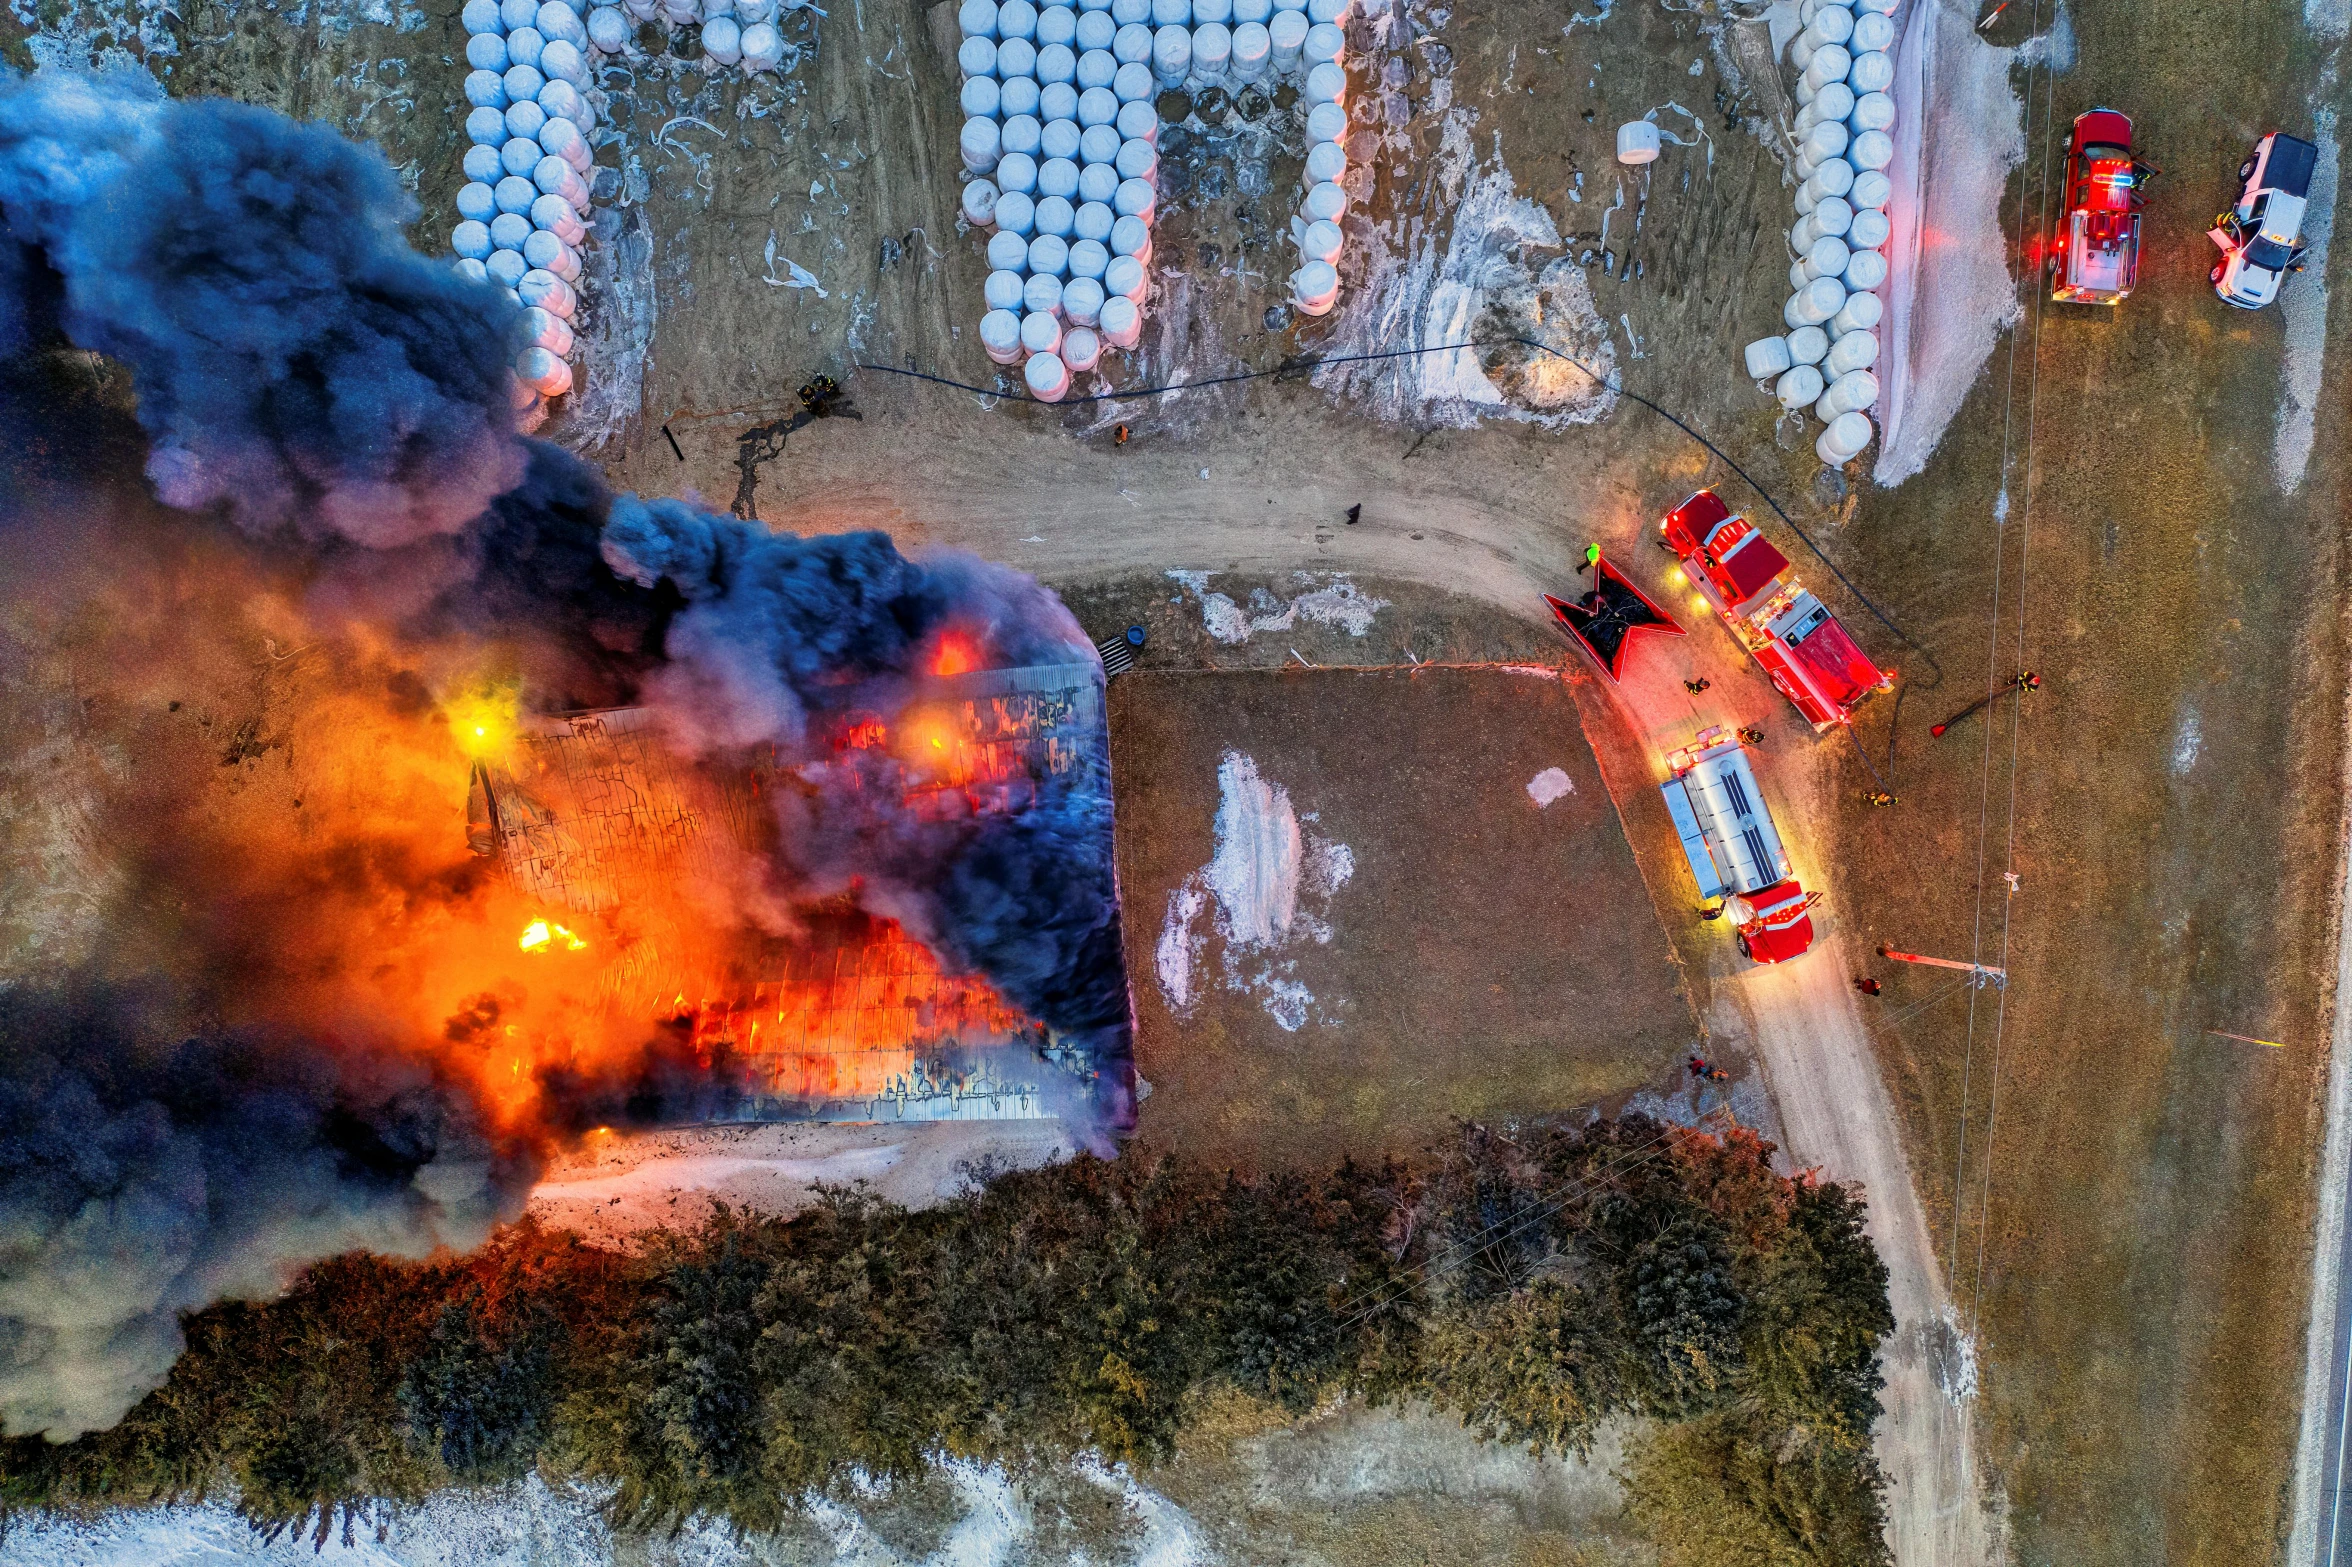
(1264, 866)
(2054, 47)
(1549, 785)
(2187, 741)
(2328, 18)
(1959, 130)
(1956, 1368)
(1170, 1537)
(2304, 304)
(1338, 604)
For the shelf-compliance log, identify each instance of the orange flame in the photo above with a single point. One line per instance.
(544, 936)
(958, 654)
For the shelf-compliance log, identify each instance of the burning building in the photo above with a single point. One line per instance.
(846, 1015)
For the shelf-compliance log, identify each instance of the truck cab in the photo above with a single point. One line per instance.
(1746, 581)
(2261, 238)
(1734, 849)
(2096, 260)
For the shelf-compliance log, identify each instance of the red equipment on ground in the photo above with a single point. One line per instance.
(1607, 618)
(2096, 257)
(1784, 627)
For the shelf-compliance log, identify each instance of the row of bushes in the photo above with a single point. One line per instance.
(1537, 1285)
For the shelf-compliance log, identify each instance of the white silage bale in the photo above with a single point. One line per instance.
(1872, 190)
(1798, 387)
(1252, 51)
(1040, 333)
(1096, 68)
(1870, 230)
(1823, 142)
(1016, 214)
(1815, 303)
(1171, 59)
(1796, 273)
(518, 13)
(1098, 183)
(476, 203)
(1865, 270)
(506, 268)
(1095, 143)
(1324, 44)
(558, 178)
(981, 142)
(558, 217)
(1047, 378)
(1286, 36)
(485, 89)
(1883, 7)
(1082, 301)
(481, 16)
(523, 82)
(562, 138)
(1844, 440)
(1096, 106)
(1137, 160)
(1212, 51)
(1131, 236)
(1132, 44)
(486, 127)
(1049, 254)
(642, 10)
(1136, 199)
(1870, 73)
(1003, 290)
(1829, 64)
(763, 47)
(1007, 252)
(543, 372)
(486, 52)
(1873, 111)
(1131, 83)
(1860, 313)
(1325, 203)
(1126, 279)
(557, 20)
(1127, 12)
(471, 270)
(1852, 392)
(1832, 215)
(1872, 150)
(1093, 30)
(481, 164)
(1055, 214)
(1326, 122)
(547, 329)
(1015, 57)
(978, 99)
(1171, 13)
(1023, 135)
(1766, 358)
(1016, 19)
(549, 254)
(566, 102)
(1830, 25)
(1093, 223)
(1138, 122)
(1000, 336)
(1807, 345)
(608, 29)
(550, 293)
(1081, 349)
(1830, 177)
(722, 40)
(1314, 288)
(1041, 294)
(515, 194)
(1852, 351)
(525, 120)
(1833, 102)
(979, 203)
(1056, 24)
(1320, 242)
(1873, 33)
(508, 230)
(525, 46)
(1016, 174)
(1326, 83)
(471, 239)
(977, 57)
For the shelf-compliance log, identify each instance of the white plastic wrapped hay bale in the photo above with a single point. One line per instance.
(543, 372)
(1126, 279)
(1852, 351)
(1799, 387)
(1766, 358)
(550, 293)
(1844, 440)
(722, 40)
(1081, 349)
(1000, 336)
(1314, 288)
(1003, 290)
(979, 204)
(1807, 345)
(1047, 378)
(1122, 322)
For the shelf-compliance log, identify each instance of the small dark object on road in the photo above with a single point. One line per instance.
(1713, 913)
(1694, 687)
(1118, 435)
(1750, 735)
(1867, 985)
(674, 446)
(1353, 513)
(1878, 797)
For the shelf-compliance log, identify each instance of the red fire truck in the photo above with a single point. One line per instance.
(1784, 628)
(2096, 257)
(1734, 849)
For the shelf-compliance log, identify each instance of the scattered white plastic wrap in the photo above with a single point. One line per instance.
(1842, 142)
(1061, 168)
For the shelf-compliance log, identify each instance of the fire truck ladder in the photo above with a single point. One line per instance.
(1979, 974)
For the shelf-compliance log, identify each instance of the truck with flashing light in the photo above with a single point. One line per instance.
(1734, 849)
(2095, 259)
(2261, 238)
(1792, 634)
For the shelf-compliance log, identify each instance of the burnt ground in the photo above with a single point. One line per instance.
(2140, 1301)
(1487, 958)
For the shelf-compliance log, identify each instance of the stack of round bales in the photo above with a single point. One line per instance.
(1060, 150)
(1844, 128)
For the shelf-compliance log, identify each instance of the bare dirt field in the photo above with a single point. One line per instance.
(1484, 957)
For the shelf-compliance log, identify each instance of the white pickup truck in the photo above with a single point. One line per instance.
(2261, 238)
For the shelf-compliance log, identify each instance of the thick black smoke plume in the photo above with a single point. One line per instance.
(316, 395)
